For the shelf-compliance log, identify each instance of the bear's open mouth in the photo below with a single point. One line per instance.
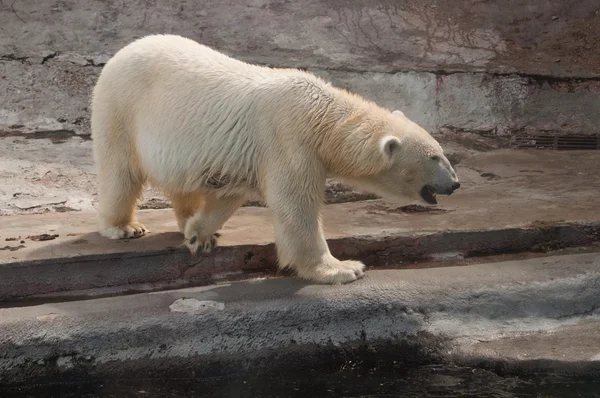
(428, 194)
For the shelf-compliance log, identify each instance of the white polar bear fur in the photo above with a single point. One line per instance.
(213, 132)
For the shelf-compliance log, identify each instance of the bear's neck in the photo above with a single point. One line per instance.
(349, 136)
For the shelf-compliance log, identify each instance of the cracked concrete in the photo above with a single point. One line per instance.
(58, 99)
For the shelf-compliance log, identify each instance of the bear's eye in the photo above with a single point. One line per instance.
(436, 158)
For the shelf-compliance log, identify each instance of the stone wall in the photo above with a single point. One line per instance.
(489, 68)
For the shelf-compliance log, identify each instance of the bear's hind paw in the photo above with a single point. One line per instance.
(205, 244)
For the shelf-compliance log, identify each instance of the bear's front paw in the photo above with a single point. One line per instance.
(204, 243)
(131, 230)
(334, 272)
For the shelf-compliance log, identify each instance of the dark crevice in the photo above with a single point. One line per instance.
(537, 78)
(91, 62)
(492, 132)
(540, 79)
(551, 140)
(12, 57)
(27, 60)
(56, 136)
(49, 57)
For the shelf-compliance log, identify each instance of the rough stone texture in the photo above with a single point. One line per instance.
(63, 275)
(385, 36)
(461, 66)
(578, 342)
(37, 176)
(58, 175)
(464, 314)
(481, 103)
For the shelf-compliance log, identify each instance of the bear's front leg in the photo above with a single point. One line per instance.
(301, 244)
(201, 229)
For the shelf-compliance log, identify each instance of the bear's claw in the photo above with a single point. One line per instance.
(206, 243)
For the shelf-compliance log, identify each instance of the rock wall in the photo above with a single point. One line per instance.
(489, 68)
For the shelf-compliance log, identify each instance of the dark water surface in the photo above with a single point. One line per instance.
(346, 381)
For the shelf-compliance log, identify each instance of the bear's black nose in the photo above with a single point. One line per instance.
(455, 186)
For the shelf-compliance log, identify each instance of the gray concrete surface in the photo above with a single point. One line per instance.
(61, 276)
(532, 315)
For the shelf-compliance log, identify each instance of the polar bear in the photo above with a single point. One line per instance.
(212, 132)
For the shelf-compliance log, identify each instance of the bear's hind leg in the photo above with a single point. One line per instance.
(117, 196)
(185, 205)
(201, 230)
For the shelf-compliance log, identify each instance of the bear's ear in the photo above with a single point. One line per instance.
(389, 145)
(398, 113)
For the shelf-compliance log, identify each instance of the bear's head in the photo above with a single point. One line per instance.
(415, 165)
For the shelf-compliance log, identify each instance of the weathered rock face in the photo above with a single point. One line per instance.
(548, 37)
(468, 66)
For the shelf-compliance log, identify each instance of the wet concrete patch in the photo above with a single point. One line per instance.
(347, 379)
(42, 237)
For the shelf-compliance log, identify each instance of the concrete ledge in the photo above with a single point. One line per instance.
(510, 201)
(534, 315)
(172, 267)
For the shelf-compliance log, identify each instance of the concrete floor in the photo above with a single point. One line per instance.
(509, 201)
(527, 316)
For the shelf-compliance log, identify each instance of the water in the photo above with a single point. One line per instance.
(349, 380)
